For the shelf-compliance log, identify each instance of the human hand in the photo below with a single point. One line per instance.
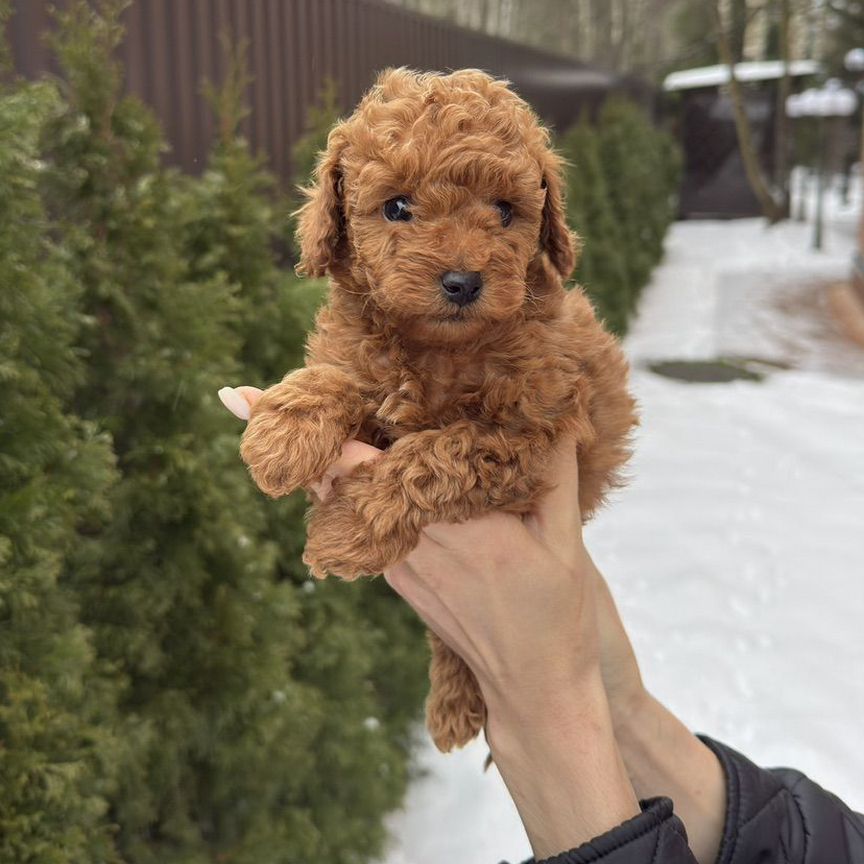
(511, 595)
(514, 597)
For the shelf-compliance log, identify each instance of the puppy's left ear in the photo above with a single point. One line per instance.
(556, 239)
(321, 222)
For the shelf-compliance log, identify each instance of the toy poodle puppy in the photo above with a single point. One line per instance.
(448, 340)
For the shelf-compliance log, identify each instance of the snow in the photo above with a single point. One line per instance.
(715, 76)
(737, 551)
(832, 100)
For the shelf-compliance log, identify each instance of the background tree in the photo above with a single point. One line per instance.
(844, 26)
(363, 657)
(782, 153)
(57, 742)
(622, 178)
(693, 25)
(182, 596)
(727, 43)
(622, 35)
(320, 119)
(602, 271)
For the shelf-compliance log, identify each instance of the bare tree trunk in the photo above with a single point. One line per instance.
(738, 20)
(623, 60)
(781, 124)
(601, 27)
(742, 125)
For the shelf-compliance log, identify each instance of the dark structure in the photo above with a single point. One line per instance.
(172, 46)
(714, 183)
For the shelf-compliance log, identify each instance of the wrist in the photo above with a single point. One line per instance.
(544, 708)
(664, 758)
(559, 759)
(631, 711)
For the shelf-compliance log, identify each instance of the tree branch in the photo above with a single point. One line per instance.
(772, 211)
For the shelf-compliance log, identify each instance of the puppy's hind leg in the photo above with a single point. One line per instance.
(297, 428)
(455, 710)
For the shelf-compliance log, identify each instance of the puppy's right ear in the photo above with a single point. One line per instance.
(321, 223)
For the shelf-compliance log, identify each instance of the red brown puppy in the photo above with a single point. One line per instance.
(448, 339)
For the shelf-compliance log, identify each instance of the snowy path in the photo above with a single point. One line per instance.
(737, 552)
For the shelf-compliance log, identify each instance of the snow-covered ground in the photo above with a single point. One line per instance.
(737, 552)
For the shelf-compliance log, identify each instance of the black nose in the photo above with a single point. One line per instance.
(461, 288)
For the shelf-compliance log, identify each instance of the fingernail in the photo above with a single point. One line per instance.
(234, 402)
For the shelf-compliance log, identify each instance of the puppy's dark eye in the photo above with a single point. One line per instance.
(397, 209)
(506, 210)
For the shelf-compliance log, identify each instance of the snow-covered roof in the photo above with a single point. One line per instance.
(832, 100)
(714, 76)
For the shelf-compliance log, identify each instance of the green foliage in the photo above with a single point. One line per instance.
(693, 27)
(844, 31)
(173, 687)
(181, 593)
(320, 119)
(5, 50)
(235, 232)
(622, 181)
(55, 473)
(364, 658)
(642, 174)
(602, 269)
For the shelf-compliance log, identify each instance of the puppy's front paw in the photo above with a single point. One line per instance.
(360, 530)
(297, 428)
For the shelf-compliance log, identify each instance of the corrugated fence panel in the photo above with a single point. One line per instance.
(173, 46)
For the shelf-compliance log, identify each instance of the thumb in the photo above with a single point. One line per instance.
(239, 400)
(354, 453)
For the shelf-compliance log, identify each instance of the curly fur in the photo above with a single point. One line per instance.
(467, 403)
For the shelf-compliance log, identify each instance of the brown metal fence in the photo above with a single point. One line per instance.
(172, 46)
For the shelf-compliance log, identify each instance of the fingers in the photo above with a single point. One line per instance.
(556, 516)
(239, 400)
(354, 453)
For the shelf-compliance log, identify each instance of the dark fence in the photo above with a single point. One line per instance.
(172, 46)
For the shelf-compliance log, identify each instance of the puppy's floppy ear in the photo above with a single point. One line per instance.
(556, 239)
(321, 223)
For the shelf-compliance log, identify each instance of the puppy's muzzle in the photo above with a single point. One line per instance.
(460, 287)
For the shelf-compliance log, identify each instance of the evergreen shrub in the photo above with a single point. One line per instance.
(173, 687)
(57, 741)
(623, 176)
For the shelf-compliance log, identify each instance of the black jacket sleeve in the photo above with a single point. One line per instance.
(775, 816)
(655, 836)
(779, 816)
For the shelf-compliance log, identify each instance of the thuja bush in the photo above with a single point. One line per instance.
(173, 688)
(180, 595)
(602, 270)
(57, 737)
(641, 166)
(363, 655)
(622, 181)
(320, 119)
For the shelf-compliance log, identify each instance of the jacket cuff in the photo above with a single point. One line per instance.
(655, 835)
(750, 792)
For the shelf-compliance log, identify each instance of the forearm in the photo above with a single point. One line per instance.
(561, 764)
(664, 758)
(661, 755)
